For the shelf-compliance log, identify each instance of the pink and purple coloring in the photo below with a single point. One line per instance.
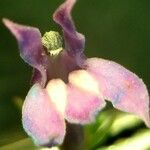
(70, 87)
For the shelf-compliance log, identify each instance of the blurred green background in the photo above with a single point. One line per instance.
(118, 30)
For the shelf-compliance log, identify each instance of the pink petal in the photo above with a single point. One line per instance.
(57, 91)
(74, 41)
(124, 89)
(31, 50)
(40, 118)
(83, 102)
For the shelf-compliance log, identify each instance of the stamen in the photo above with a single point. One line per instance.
(52, 40)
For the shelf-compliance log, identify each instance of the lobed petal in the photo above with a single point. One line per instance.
(31, 50)
(74, 41)
(124, 89)
(84, 99)
(57, 91)
(40, 118)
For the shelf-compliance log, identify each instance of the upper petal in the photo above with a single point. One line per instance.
(123, 88)
(31, 50)
(74, 41)
(41, 119)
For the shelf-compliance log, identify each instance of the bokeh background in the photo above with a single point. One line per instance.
(118, 30)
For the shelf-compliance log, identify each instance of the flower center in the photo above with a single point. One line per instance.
(52, 41)
(60, 63)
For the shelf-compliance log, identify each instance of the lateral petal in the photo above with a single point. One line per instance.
(30, 45)
(74, 41)
(41, 120)
(124, 89)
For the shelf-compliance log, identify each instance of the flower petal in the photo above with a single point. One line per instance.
(123, 88)
(74, 41)
(57, 91)
(84, 99)
(41, 120)
(31, 50)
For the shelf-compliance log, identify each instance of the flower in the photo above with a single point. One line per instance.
(67, 85)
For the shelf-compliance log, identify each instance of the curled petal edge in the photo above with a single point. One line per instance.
(124, 89)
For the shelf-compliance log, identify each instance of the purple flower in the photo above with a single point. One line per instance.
(67, 85)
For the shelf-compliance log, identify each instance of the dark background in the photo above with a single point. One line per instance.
(118, 30)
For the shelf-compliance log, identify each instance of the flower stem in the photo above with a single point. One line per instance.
(74, 137)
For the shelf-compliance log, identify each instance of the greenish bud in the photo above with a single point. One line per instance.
(52, 40)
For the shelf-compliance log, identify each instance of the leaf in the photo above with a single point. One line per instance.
(25, 144)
